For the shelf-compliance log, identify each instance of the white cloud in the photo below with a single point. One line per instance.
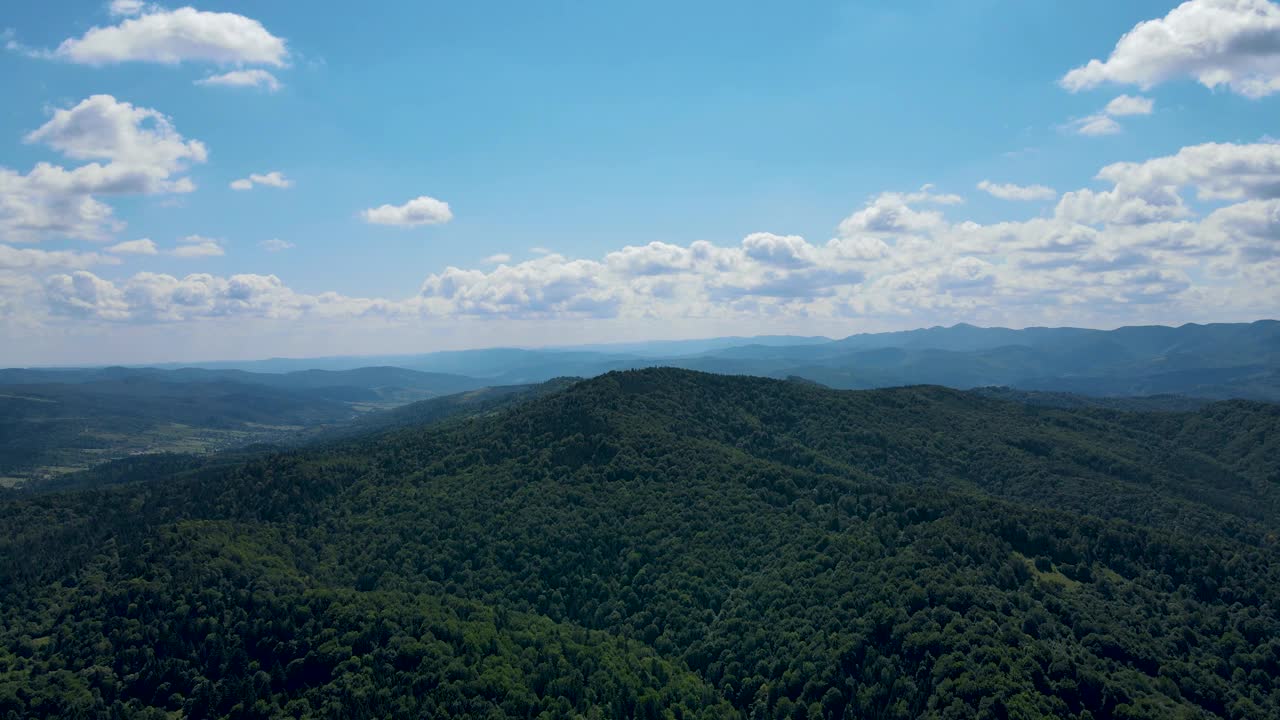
(155, 297)
(134, 247)
(141, 146)
(176, 36)
(497, 259)
(126, 8)
(1130, 205)
(1104, 123)
(780, 250)
(83, 294)
(1130, 105)
(890, 212)
(1232, 43)
(422, 210)
(1248, 231)
(1095, 125)
(31, 259)
(550, 284)
(926, 195)
(31, 209)
(196, 246)
(764, 271)
(275, 245)
(1218, 171)
(275, 179)
(1129, 250)
(257, 77)
(1010, 191)
(144, 154)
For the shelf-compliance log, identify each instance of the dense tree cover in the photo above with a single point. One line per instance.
(663, 543)
(1148, 403)
(425, 412)
(79, 424)
(52, 420)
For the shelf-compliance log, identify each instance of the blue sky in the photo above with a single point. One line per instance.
(571, 136)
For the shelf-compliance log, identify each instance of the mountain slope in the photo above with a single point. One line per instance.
(55, 421)
(792, 550)
(46, 429)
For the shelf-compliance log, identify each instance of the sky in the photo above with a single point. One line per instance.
(239, 180)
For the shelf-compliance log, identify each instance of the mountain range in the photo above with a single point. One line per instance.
(59, 420)
(664, 543)
(1215, 361)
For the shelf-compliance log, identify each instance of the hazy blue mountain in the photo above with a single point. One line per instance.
(374, 382)
(675, 348)
(1215, 361)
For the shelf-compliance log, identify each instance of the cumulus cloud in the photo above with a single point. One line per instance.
(891, 212)
(1104, 122)
(763, 271)
(275, 179)
(780, 250)
(1117, 252)
(134, 247)
(1095, 125)
(1231, 43)
(31, 208)
(256, 78)
(141, 146)
(126, 8)
(1219, 171)
(133, 150)
(1130, 205)
(1010, 191)
(1130, 105)
(175, 36)
(1248, 232)
(550, 284)
(12, 258)
(1102, 250)
(497, 259)
(276, 245)
(83, 294)
(156, 297)
(422, 210)
(196, 246)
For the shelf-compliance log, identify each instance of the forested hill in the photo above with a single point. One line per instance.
(664, 543)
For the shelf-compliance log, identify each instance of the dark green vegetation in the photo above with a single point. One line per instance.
(663, 543)
(1150, 403)
(424, 412)
(47, 430)
(57, 421)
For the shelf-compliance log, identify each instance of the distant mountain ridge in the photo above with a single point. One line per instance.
(54, 421)
(364, 378)
(1217, 361)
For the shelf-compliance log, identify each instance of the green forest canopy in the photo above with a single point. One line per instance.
(665, 543)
